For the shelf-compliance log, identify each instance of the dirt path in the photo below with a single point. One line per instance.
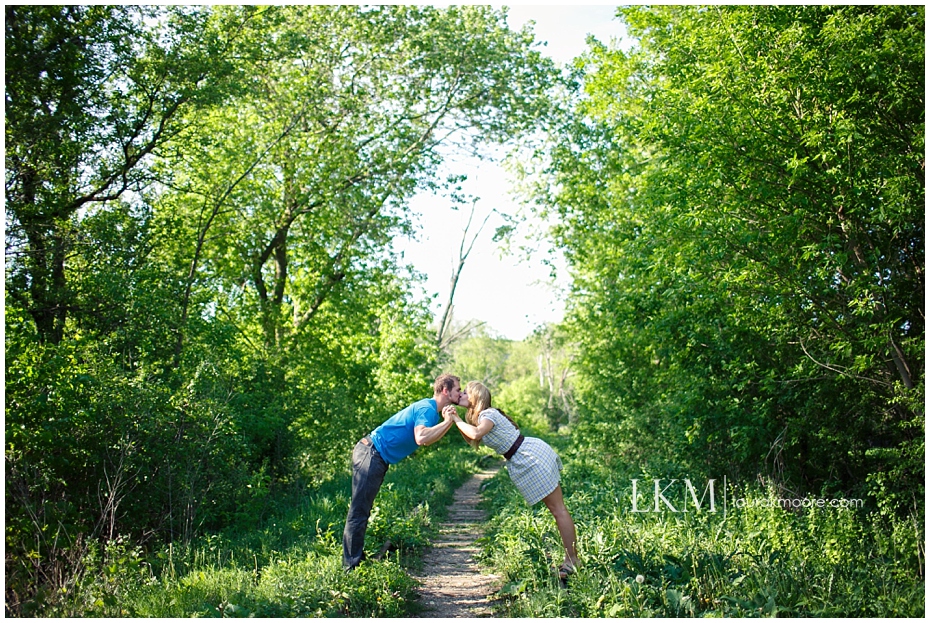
(452, 584)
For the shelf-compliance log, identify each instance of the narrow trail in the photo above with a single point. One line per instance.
(452, 584)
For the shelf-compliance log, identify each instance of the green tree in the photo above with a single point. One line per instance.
(202, 306)
(285, 201)
(742, 207)
(306, 181)
(531, 378)
(482, 357)
(91, 94)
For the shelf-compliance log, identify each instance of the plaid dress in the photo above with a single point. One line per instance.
(534, 468)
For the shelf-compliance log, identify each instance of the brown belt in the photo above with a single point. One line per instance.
(513, 449)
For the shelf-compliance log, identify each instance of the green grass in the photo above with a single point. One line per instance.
(755, 561)
(758, 560)
(291, 565)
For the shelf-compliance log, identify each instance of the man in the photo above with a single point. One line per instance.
(397, 438)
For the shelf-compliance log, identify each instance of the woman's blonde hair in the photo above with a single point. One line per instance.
(479, 398)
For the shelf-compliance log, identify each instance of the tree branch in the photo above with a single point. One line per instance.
(457, 272)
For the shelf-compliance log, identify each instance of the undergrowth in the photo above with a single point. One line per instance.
(757, 559)
(290, 565)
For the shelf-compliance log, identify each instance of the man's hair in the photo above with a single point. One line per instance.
(445, 381)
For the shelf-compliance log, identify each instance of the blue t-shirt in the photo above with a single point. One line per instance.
(394, 439)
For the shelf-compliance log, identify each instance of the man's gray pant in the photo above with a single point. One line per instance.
(368, 470)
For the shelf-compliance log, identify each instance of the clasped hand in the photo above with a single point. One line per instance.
(449, 413)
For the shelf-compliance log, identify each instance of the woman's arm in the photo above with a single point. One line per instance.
(474, 433)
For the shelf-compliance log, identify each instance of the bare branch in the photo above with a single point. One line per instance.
(457, 272)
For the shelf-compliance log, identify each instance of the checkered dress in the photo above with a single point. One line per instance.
(534, 468)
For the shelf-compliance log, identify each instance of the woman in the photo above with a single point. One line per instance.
(532, 464)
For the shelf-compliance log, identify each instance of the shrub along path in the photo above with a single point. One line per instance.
(452, 585)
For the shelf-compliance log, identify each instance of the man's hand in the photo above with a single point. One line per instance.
(449, 413)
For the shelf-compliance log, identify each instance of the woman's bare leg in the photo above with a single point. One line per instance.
(565, 524)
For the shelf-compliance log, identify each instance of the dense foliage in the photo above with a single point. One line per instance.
(203, 311)
(741, 200)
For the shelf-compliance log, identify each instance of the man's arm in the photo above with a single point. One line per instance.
(425, 436)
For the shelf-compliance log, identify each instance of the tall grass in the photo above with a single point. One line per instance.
(756, 560)
(291, 565)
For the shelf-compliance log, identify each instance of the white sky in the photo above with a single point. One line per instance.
(513, 295)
